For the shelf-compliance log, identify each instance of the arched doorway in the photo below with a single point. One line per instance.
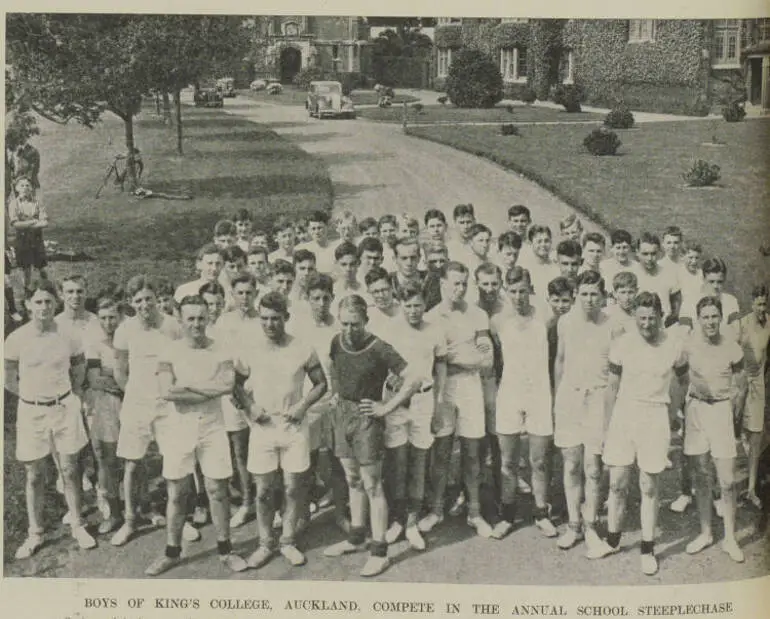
(291, 63)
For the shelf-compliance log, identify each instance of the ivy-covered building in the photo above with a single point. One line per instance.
(675, 66)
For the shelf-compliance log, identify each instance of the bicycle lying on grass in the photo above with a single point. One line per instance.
(119, 170)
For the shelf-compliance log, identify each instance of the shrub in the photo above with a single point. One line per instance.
(567, 95)
(309, 74)
(474, 80)
(274, 89)
(701, 174)
(619, 117)
(528, 96)
(733, 112)
(443, 99)
(417, 107)
(602, 142)
(509, 129)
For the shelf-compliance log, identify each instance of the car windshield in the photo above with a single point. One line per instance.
(327, 89)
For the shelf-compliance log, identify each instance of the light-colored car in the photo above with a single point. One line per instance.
(326, 99)
(257, 85)
(226, 85)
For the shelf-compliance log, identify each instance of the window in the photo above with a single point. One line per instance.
(727, 34)
(335, 51)
(514, 20)
(640, 30)
(567, 67)
(513, 64)
(444, 60)
(445, 21)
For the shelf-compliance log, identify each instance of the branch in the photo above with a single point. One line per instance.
(59, 120)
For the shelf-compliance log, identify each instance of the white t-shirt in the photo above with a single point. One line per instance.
(280, 254)
(324, 256)
(586, 347)
(754, 339)
(381, 323)
(610, 267)
(711, 365)
(664, 283)
(189, 289)
(44, 360)
(620, 321)
(461, 328)
(418, 347)
(729, 308)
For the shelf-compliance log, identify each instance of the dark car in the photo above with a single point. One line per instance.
(209, 97)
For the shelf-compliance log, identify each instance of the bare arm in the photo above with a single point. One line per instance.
(121, 368)
(410, 386)
(221, 384)
(676, 305)
(78, 374)
(558, 365)
(611, 393)
(317, 376)
(11, 378)
(741, 390)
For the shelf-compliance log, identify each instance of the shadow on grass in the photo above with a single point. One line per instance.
(237, 136)
(312, 137)
(246, 187)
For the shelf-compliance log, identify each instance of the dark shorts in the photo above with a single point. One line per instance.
(30, 250)
(357, 436)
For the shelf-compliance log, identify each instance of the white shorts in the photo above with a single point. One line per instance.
(754, 413)
(141, 423)
(464, 391)
(197, 438)
(43, 429)
(580, 418)
(709, 429)
(103, 416)
(638, 432)
(535, 421)
(233, 419)
(411, 425)
(278, 445)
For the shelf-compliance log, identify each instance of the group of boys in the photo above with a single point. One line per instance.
(513, 346)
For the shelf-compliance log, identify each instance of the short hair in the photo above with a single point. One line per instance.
(519, 209)
(411, 289)
(303, 255)
(214, 288)
(621, 236)
(140, 282)
(760, 290)
(594, 237)
(693, 246)
(714, 265)
(708, 302)
(590, 278)
(258, 250)
(283, 267)
(649, 299)
(538, 229)
(192, 299)
(453, 266)
(409, 221)
(74, 277)
(243, 278)
(282, 224)
(463, 210)
(436, 247)
(673, 231)
(487, 268)
(406, 241)
(320, 281)
(569, 221)
(164, 288)
(366, 223)
(569, 248)
(233, 254)
(275, 301)
(207, 250)
(560, 286)
(625, 279)
(346, 248)
(434, 213)
(319, 217)
(478, 228)
(387, 219)
(649, 238)
(224, 226)
(370, 243)
(355, 303)
(518, 274)
(345, 217)
(376, 275)
(107, 302)
(509, 239)
(42, 285)
(242, 215)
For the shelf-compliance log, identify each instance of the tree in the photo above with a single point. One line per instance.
(474, 80)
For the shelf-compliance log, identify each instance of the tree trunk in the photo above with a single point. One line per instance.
(128, 124)
(157, 103)
(167, 109)
(178, 106)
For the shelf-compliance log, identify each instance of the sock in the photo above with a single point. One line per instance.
(509, 512)
(647, 548)
(173, 552)
(224, 547)
(357, 535)
(540, 513)
(379, 549)
(613, 539)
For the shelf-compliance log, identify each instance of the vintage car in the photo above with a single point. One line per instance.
(326, 99)
(257, 85)
(274, 88)
(226, 85)
(208, 97)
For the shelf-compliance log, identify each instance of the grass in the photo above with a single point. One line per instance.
(291, 95)
(450, 114)
(229, 164)
(641, 188)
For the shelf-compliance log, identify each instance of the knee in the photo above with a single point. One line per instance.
(264, 492)
(355, 482)
(572, 467)
(35, 475)
(619, 488)
(216, 489)
(69, 466)
(593, 472)
(373, 487)
(648, 488)
(293, 488)
(727, 485)
(537, 462)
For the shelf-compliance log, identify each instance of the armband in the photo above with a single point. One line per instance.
(615, 369)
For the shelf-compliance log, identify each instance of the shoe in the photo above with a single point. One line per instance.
(546, 526)
(415, 538)
(649, 564)
(201, 515)
(699, 543)
(427, 524)
(30, 546)
(501, 529)
(753, 500)
(277, 520)
(522, 487)
(156, 519)
(239, 517)
(293, 555)
(108, 525)
(313, 507)
(733, 550)
(160, 565)
(718, 508)
(680, 504)
(67, 518)
(122, 535)
(374, 566)
(343, 548)
(394, 533)
(260, 557)
(600, 548)
(235, 562)
(458, 507)
(83, 537)
(569, 538)
(482, 527)
(190, 533)
(103, 504)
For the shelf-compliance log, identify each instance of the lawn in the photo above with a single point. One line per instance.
(641, 189)
(229, 163)
(450, 114)
(292, 95)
